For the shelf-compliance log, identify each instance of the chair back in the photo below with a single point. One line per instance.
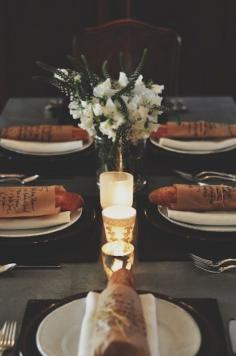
(131, 37)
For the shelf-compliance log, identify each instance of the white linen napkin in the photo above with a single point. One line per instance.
(39, 222)
(149, 310)
(41, 147)
(195, 145)
(214, 218)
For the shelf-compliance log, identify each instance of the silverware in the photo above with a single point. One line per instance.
(7, 336)
(206, 175)
(232, 334)
(190, 177)
(8, 267)
(211, 266)
(214, 173)
(11, 175)
(20, 180)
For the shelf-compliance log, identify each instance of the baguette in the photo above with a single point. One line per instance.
(120, 328)
(45, 133)
(195, 130)
(195, 198)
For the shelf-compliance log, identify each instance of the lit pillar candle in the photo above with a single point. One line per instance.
(116, 188)
(119, 222)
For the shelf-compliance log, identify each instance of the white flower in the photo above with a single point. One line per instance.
(97, 109)
(123, 80)
(77, 77)
(157, 88)
(63, 71)
(104, 89)
(75, 109)
(106, 129)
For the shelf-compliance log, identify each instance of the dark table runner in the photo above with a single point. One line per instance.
(205, 312)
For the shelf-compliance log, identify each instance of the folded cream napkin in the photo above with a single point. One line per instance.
(149, 310)
(202, 145)
(35, 223)
(41, 147)
(214, 218)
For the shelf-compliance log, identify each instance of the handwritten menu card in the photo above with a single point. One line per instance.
(197, 129)
(43, 133)
(202, 198)
(27, 201)
(119, 317)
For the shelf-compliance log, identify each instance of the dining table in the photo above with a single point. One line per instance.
(162, 254)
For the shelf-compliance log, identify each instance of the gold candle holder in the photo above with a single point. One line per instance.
(119, 223)
(117, 255)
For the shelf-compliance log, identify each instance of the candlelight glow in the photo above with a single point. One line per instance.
(119, 223)
(116, 188)
(117, 255)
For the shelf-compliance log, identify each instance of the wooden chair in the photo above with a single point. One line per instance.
(131, 37)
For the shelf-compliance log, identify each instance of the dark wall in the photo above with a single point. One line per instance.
(207, 28)
(33, 30)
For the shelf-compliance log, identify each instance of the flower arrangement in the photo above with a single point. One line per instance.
(118, 113)
(106, 107)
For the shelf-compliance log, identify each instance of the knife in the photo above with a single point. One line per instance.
(232, 334)
(11, 175)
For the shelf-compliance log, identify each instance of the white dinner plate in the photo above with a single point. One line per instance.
(58, 333)
(156, 142)
(44, 231)
(59, 148)
(163, 211)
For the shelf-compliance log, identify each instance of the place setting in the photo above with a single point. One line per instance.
(178, 219)
(180, 143)
(118, 316)
(45, 147)
(40, 223)
(187, 327)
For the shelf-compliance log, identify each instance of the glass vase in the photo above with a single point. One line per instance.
(125, 157)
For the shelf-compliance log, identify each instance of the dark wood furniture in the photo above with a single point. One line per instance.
(131, 37)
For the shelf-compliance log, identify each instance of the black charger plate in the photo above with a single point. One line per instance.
(157, 220)
(212, 341)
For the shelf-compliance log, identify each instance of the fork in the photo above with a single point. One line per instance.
(206, 175)
(7, 336)
(214, 174)
(211, 266)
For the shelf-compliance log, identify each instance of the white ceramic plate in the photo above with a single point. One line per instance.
(58, 333)
(37, 232)
(4, 144)
(163, 211)
(155, 142)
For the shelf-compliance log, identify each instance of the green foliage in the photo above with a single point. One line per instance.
(83, 88)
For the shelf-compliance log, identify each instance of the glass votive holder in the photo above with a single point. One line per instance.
(116, 188)
(119, 223)
(117, 255)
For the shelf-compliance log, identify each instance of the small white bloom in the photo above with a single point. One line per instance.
(157, 88)
(104, 89)
(62, 70)
(123, 80)
(77, 78)
(106, 128)
(97, 109)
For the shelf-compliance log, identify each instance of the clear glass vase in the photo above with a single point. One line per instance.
(125, 157)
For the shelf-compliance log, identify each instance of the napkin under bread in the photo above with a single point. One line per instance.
(214, 218)
(200, 145)
(41, 147)
(149, 310)
(36, 222)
